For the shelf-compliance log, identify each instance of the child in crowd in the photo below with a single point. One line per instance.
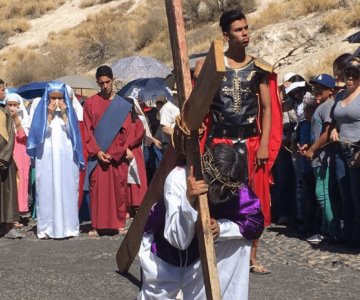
(323, 87)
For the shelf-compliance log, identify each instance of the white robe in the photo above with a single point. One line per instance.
(163, 281)
(57, 182)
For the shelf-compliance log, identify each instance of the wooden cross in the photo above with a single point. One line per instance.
(195, 105)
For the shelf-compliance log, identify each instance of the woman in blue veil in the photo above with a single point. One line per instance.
(54, 143)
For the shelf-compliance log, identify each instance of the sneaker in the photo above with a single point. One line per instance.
(316, 238)
(14, 234)
(331, 240)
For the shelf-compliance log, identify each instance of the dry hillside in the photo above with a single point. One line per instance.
(75, 36)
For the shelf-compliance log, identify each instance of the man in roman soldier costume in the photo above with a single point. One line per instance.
(246, 113)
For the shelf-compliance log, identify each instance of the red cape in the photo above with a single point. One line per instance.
(260, 178)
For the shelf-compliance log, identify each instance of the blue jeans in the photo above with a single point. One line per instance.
(152, 157)
(307, 208)
(283, 191)
(349, 186)
(329, 224)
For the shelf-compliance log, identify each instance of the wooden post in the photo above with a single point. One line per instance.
(195, 105)
(179, 49)
(183, 80)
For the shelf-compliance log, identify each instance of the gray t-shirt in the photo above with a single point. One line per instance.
(321, 116)
(348, 120)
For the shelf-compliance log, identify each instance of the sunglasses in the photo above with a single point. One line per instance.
(352, 74)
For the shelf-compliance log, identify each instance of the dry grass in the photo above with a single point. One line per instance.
(200, 38)
(15, 15)
(322, 65)
(17, 25)
(198, 12)
(292, 9)
(340, 20)
(106, 36)
(88, 3)
(27, 9)
(27, 65)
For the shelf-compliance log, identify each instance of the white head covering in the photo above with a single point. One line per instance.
(148, 136)
(14, 98)
(294, 85)
(287, 76)
(22, 112)
(76, 103)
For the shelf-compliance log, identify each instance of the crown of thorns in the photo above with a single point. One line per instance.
(209, 167)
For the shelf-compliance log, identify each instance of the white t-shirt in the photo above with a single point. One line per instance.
(168, 114)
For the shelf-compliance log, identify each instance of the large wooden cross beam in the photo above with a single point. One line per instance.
(195, 105)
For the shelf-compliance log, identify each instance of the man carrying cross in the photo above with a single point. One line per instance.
(169, 252)
(241, 112)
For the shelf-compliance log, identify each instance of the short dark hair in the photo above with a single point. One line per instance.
(230, 16)
(104, 70)
(340, 62)
(2, 81)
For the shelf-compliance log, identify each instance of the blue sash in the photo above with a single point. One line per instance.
(106, 130)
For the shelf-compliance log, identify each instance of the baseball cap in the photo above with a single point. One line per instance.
(324, 80)
(295, 85)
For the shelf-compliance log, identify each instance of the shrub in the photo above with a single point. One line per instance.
(16, 13)
(103, 38)
(149, 30)
(24, 66)
(202, 11)
(292, 9)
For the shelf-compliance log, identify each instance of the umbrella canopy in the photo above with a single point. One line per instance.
(354, 38)
(135, 67)
(32, 90)
(79, 82)
(146, 89)
(357, 52)
(194, 58)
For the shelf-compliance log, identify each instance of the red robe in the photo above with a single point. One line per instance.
(82, 172)
(137, 191)
(108, 184)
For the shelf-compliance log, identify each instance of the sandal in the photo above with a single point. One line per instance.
(122, 231)
(259, 270)
(93, 233)
(18, 225)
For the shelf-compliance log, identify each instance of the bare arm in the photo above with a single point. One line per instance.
(263, 152)
(167, 130)
(321, 141)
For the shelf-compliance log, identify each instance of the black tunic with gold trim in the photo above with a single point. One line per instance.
(235, 108)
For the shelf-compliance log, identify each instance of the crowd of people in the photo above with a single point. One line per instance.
(318, 163)
(63, 162)
(57, 155)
